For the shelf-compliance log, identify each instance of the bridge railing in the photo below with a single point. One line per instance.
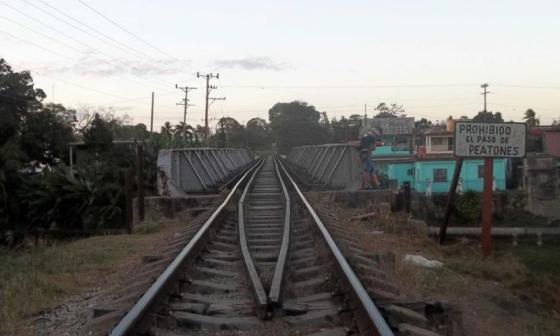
(198, 170)
(332, 165)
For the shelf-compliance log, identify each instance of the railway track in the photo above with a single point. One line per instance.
(262, 263)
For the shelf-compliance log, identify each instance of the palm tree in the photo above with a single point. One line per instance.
(531, 118)
(167, 131)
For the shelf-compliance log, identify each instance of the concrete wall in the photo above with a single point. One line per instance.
(541, 182)
(552, 143)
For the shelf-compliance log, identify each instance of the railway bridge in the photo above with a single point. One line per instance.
(262, 259)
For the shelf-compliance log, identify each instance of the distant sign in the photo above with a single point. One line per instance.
(505, 140)
(389, 126)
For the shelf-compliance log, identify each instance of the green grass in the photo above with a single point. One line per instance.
(149, 225)
(544, 259)
(38, 278)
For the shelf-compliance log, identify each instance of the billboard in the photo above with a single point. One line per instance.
(389, 126)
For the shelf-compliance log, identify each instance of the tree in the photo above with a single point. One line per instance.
(487, 116)
(422, 125)
(98, 133)
(183, 130)
(127, 132)
(18, 97)
(229, 133)
(258, 134)
(531, 118)
(355, 120)
(391, 111)
(167, 132)
(45, 136)
(295, 124)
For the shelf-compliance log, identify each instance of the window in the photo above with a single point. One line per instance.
(481, 171)
(437, 141)
(410, 172)
(440, 175)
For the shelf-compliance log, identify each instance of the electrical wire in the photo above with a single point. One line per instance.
(106, 39)
(89, 47)
(124, 29)
(347, 86)
(75, 60)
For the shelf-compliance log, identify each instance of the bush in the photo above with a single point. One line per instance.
(468, 206)
(79, 200)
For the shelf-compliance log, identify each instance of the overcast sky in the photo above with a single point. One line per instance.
(430, 56)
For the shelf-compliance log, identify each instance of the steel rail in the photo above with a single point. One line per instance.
(134, 315)
(256, 283)
(375, 318)
(278, 278)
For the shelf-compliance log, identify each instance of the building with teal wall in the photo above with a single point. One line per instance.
(435, 171)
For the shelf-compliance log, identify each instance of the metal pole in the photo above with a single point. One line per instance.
(487, 207)
(206, 130)
(185, 114)
(450, 199)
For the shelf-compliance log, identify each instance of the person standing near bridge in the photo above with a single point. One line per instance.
(367, 145)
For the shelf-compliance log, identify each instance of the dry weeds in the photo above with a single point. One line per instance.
(497, 296)
(38, 279)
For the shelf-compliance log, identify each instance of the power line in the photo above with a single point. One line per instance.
(528, 86)
(70, 37)
(77, 85)
(349, 86)
(45, 24)
(42, 34)
(104, 37)
(64, 56)
(36, 45)
(124, 29)
(141, 56)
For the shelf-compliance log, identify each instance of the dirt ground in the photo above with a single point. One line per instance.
(516, 291)
(51, 289)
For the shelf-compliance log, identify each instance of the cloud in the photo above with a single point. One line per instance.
(91, 65)
(250, 63)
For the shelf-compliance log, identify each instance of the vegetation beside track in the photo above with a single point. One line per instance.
(37, 279)
(514, 292)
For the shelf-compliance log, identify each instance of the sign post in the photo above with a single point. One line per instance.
(489, 141)
(487, 207)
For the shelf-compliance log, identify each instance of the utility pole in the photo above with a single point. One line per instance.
(365, 116)
(186, 104)
(152, 116)
(486, 92)
(209, 100)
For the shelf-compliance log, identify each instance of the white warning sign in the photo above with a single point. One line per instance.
(473, 139)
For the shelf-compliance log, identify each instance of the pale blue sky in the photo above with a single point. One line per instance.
(430, 56)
